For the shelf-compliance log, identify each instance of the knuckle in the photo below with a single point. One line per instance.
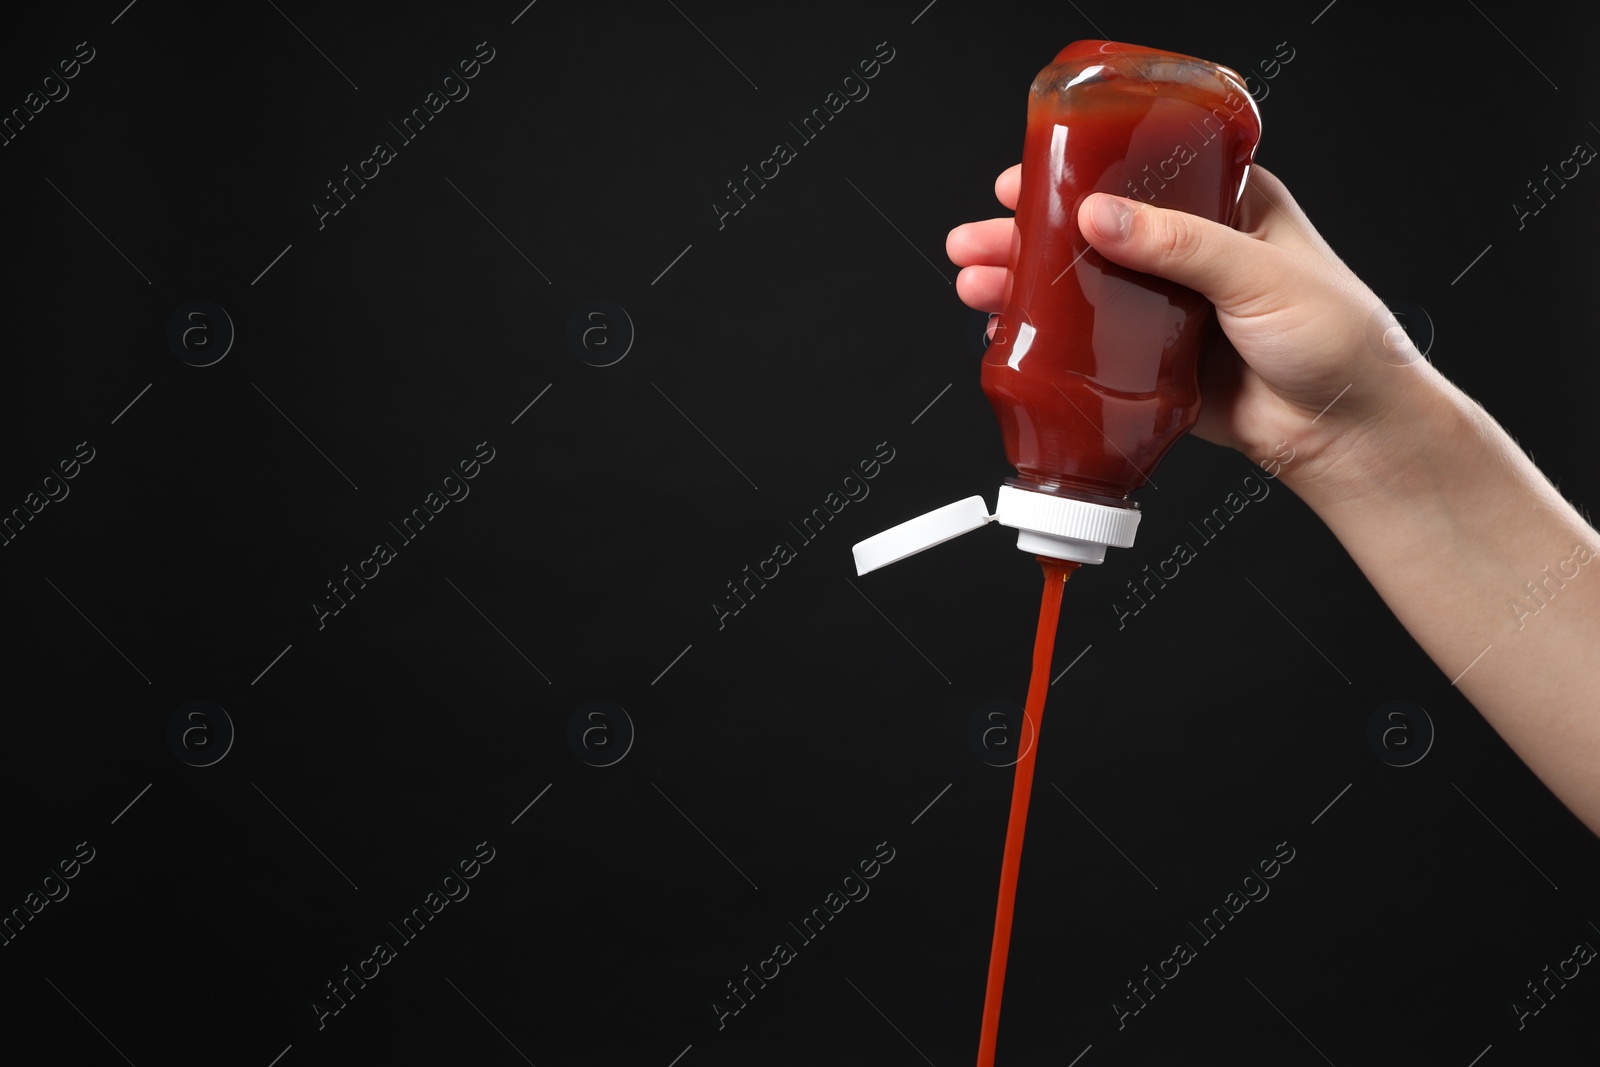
(1174, 237)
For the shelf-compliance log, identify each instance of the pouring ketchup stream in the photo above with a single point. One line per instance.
(1056, 573)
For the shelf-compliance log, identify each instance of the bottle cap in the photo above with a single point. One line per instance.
(1047, 525)
(1064, 528)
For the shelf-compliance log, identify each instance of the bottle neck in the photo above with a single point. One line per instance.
(1065, 488)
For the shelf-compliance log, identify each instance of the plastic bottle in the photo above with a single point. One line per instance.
(1093, 368)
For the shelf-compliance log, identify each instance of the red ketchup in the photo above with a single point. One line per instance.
(1093, 370)
(1093, 367)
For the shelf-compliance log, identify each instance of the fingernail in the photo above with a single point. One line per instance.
(1112, 219)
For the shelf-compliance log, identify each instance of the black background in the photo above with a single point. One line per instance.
(773, 754)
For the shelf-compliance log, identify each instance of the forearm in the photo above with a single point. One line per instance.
(1492, 572)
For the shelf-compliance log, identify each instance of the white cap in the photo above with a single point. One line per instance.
(1064, 528)
(1046, 525)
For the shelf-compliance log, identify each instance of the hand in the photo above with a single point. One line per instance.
(1301, 358)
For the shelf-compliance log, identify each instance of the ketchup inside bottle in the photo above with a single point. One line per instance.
(1093, 369)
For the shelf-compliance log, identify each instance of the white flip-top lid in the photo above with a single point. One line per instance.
(1047, 525)
(924, 531)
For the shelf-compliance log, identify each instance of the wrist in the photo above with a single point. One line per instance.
(1386, 453)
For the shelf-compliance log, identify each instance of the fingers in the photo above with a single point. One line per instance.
(985, 243)
(1008, 187)
(983, 249)
(983, 288)
(1237, 272)
(1232, 268)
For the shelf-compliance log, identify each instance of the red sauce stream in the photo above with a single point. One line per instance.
(1056, 573)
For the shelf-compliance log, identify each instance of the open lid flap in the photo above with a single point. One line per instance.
(924, 531)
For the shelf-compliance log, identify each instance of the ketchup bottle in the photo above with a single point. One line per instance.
(1093, 369)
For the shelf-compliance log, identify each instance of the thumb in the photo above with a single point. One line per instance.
(1235, 272)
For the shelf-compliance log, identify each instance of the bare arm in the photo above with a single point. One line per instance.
(1489, 568)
